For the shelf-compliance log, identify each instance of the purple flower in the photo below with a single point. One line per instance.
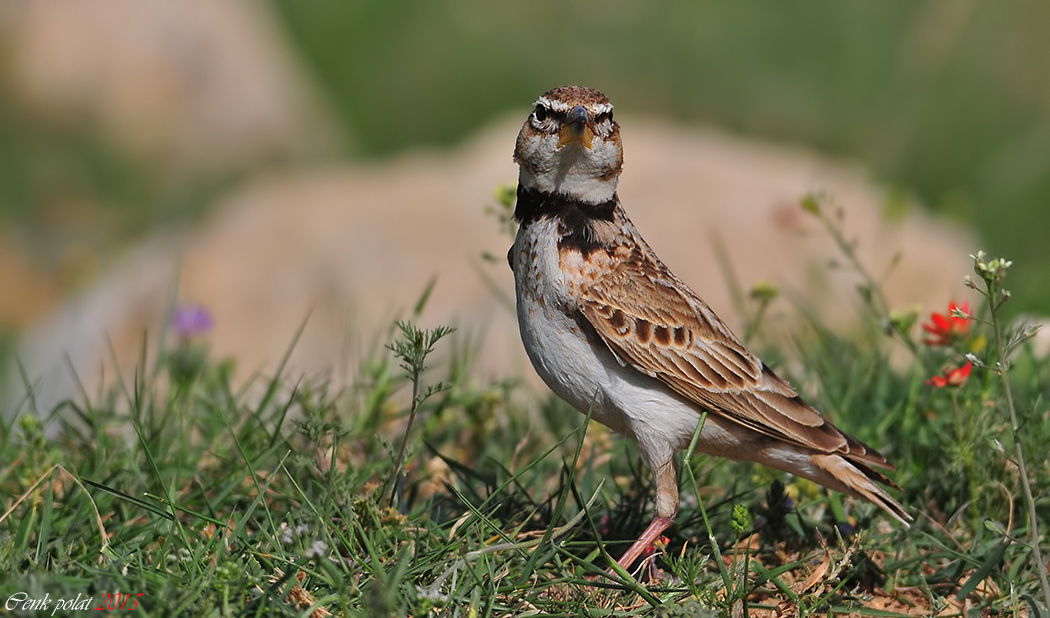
(191, 321)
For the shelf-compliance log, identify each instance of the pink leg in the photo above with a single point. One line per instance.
(666, 508)
(658, 525)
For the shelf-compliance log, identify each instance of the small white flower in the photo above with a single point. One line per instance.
(432, 594)
(183, 555)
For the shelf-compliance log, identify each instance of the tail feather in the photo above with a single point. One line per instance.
(859, 480)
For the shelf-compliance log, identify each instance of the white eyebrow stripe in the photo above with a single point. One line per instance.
(557, 106)
(562, 106)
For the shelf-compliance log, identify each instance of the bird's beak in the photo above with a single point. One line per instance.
(577, 129)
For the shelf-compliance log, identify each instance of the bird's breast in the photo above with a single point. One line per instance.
(564, 355)
(572, 359)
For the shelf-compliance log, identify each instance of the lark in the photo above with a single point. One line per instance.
(612, 331)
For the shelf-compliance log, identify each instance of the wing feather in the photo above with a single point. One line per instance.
(657, 325)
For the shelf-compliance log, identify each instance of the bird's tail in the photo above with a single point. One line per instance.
(859, 480)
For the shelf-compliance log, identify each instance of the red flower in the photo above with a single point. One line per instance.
(952, 377)
(944, 328)
(658, 544)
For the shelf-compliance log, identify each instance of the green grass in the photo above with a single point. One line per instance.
(291, 497)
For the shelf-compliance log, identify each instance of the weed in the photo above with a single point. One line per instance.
(424, 492)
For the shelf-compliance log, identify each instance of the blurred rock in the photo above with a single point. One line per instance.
(25, 293)
(194, 85)
(353, 247)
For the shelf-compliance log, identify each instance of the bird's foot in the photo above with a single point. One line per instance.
(655, 529)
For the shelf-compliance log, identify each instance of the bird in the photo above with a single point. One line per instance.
(616, 334)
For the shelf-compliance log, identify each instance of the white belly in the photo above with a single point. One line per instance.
(557, 346)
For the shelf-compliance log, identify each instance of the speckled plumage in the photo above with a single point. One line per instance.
(609, 328)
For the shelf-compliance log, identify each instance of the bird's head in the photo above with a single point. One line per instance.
(570, 145)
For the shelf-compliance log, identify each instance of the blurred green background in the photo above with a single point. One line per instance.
(948, 100)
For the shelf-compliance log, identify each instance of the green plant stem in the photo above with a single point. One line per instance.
(875, 299)
(966, 455)
(756, 322)
(727, 580)
(1040, 566)
(871, 290)
(404, 440)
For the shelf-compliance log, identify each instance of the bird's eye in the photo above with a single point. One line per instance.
(540, 113)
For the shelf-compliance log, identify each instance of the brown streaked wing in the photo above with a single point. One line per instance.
(650, 319)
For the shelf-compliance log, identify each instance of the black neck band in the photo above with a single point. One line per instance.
(533, 205)
(576, 220)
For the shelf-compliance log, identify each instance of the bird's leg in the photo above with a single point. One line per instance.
(666, 509)
(658, 525)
